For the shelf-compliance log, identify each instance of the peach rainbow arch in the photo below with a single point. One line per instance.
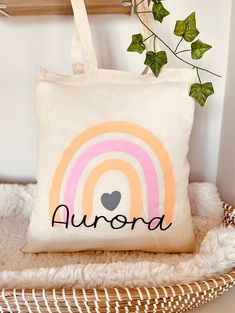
(114, 127)
(98, 171)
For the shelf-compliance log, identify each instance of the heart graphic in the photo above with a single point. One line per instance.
(111, 201)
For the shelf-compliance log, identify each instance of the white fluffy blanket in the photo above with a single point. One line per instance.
(215, 252)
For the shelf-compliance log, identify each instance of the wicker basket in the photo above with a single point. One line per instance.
(177, 298)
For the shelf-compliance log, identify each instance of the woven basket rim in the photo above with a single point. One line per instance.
(172, 298)
(206, 284)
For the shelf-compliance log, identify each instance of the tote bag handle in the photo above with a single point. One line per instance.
(82, 46)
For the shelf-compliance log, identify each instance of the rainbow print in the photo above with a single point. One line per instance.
(115, 145)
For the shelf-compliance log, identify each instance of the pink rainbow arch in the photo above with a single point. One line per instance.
(119, 146)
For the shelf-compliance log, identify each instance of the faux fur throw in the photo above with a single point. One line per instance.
(215, 252)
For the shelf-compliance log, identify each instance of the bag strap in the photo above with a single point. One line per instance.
(82, 41)
(82, 46)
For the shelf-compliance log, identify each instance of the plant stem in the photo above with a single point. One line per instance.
(183, 51)
(172, 51)
(147, 37)
(138, 3)
(198, 76)
(178, 44)
(154, 44)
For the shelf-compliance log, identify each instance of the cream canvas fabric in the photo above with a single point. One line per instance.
(112, 157)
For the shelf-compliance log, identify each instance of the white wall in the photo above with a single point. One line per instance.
(226, 172)
(29, 42)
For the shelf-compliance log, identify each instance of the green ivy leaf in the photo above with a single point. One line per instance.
(180, 28)
(201, 92)
(137, 44)
(198, 48)
(156, 60)
(159, 12)
(187, 28)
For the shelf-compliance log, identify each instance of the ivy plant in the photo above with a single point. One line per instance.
(187, 31)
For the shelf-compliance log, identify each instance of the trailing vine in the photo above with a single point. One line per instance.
(187, 31)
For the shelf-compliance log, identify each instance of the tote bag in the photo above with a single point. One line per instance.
(112, 157)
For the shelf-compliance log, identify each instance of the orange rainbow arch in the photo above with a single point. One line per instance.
(98, 171)
(121, 127)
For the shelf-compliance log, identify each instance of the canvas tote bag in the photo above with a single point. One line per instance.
(112, 157)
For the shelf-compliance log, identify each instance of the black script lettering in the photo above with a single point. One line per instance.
(117, 222)
(66, 223)
(161, 222)
(117, 218)
(97, 218)
(84, 221)
(152, 225)
(135, 219)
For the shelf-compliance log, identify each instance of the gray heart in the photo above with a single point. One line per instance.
(111, 201)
